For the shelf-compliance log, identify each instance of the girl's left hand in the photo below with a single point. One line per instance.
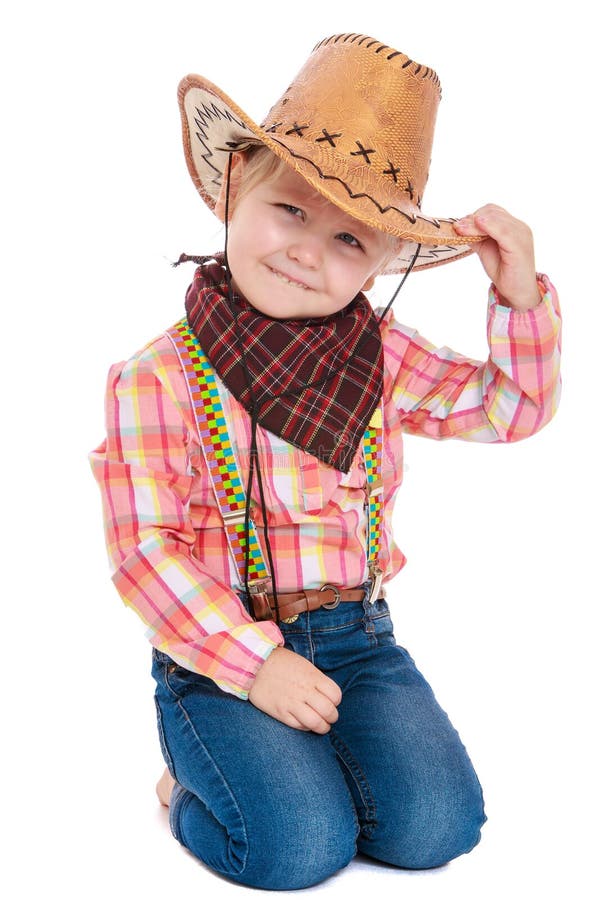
(507, 255)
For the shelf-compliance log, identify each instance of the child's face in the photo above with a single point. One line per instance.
(293, 255)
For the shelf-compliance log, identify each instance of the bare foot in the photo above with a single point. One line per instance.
(164, 787)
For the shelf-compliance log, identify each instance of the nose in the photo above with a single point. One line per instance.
(307, 250)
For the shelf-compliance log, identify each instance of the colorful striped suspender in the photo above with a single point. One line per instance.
(225, 475)
(217, 448)
(372, 445)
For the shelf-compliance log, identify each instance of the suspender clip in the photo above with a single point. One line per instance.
(234, 517)
(260, 598)
(376, 574)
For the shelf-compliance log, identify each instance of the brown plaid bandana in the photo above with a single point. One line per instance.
(313, 382)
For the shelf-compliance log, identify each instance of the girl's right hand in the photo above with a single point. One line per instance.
(292, 690)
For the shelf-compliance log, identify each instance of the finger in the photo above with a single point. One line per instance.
(489, 210)
(489, 220)
(293, 722)
(309, 719)
(508, 232)
(330, 689)
(324, 706)
(468, 227)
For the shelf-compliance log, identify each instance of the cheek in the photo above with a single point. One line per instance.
(352, 274)
(242, 247)
(254, 238)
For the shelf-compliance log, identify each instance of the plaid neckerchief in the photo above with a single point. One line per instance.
(313, 382)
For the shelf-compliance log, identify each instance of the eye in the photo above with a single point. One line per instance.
(292, 210)
(349, 239)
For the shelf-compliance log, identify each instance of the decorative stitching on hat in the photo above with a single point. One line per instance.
(382, 209)
(437, 251)
(297, 129)
(205, 114)
(360, 38)
(363, 151)
(392, 171)
(201, 118)
(329, 137)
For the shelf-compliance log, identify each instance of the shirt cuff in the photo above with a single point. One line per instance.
(543, 285)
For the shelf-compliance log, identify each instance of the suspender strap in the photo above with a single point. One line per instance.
(215, 441)
(372, 444)
(225, 476)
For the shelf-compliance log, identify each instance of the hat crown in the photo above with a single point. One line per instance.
(361, 108)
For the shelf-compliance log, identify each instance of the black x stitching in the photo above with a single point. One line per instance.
(329, 137)
(391, 171)
(409, 189)
(363, 151)
(297, 129)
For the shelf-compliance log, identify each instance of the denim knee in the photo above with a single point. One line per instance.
(265, 853)
(430, 830)
(319, 847)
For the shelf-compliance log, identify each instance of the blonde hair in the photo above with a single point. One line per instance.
(261, 164)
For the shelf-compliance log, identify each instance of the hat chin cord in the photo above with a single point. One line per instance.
(254, 464)
(254, 411)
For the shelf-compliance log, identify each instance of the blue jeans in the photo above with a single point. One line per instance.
(272, 807)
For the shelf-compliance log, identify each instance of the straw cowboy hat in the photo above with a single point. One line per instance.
(357, 123)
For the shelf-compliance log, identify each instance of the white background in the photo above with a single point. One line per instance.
(494, 602)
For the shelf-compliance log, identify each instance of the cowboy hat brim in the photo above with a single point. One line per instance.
(214, 126)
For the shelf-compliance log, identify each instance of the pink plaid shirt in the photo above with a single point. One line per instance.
(165, 539)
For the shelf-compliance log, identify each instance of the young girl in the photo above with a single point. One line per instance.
(252, 460)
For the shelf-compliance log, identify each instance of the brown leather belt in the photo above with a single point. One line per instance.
(291, 605)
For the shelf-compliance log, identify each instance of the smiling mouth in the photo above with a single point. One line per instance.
(286, 280)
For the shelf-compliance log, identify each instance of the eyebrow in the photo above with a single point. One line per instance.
(300, 194)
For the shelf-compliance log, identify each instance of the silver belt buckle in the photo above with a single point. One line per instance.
(333, 604)
(376, 578)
